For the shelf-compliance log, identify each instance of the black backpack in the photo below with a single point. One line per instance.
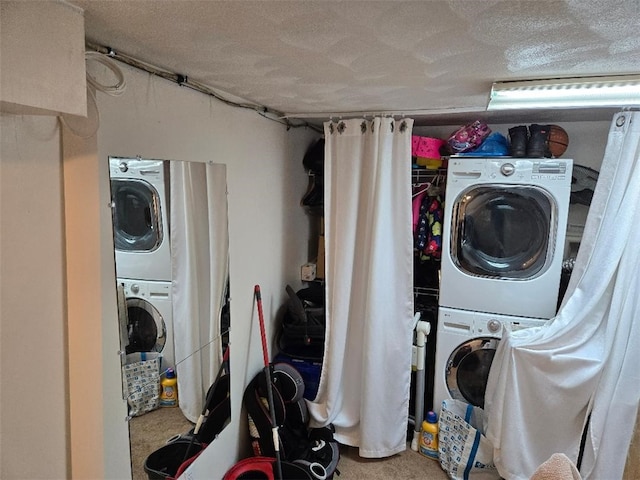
(313, 449)
(303, 324)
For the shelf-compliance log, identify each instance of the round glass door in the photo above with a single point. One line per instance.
(468, 367)
(145, 327)
(136, 216)
(503, 231)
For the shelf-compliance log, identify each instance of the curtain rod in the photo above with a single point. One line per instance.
(184, 81)
(388, 113)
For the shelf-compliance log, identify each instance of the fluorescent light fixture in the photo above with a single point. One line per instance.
(581, 92)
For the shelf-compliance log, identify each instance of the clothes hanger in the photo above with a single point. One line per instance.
(436, 187)
(421, 188)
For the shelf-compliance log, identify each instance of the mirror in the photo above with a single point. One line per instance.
(171, 242)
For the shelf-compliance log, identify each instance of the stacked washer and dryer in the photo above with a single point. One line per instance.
(143, 254)
(503, 244)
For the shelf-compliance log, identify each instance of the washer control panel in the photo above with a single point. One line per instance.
(494, 326)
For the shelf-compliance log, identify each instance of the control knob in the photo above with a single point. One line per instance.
(494, 326)
(507, 169)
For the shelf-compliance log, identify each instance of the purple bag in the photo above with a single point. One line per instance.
(468, 137)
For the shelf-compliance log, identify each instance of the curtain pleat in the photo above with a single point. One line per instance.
(365, 380)
(199, 249)
(547, 383)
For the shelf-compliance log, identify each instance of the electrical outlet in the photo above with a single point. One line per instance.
(308, 272)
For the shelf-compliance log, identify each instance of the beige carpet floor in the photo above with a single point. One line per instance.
(149, 432)
(408, 465)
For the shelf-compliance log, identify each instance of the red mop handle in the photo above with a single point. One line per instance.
(265, 354)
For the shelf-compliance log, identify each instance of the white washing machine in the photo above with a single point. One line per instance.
(140, 219)
(465, 347)
(504, 232)
(149, 319)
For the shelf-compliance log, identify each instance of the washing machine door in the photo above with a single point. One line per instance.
(503, 231)
(467, 369)
(146, 328)
(137, 222)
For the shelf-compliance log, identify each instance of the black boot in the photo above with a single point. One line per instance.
(518, 136)
(537, 146)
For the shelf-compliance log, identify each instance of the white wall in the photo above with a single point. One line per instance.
(268, 228)
(33, 392)
(42, 63)
(99, 440)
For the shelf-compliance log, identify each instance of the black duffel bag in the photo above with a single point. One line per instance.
(303, 325)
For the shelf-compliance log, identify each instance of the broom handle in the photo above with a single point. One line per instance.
(267, 373)
(265, 354)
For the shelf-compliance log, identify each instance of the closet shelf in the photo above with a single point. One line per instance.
(426, 292)
(421, 176)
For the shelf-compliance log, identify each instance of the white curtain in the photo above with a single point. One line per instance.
(364, 385)
(583, 368)
(199, 250)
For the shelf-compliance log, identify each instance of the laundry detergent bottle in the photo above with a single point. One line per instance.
(169, 394)
(429, 436)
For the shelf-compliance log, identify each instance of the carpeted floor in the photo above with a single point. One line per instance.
(408, 465)
(149, 432)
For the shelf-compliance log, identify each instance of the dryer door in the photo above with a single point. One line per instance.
(503, 231)
(137, 222)
(467, 369)
(146, 329)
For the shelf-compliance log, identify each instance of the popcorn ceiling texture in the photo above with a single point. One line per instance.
(312, 56)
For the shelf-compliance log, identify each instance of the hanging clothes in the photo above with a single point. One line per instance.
(366, 375)
(429, 228)
(416, 207)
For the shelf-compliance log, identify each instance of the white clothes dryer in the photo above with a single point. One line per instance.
(504, 229)
(149, 319)
(140, 219)
(465, 347)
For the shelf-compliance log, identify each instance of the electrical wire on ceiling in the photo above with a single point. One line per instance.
(113, 90)
(86, 127)
(184, 81)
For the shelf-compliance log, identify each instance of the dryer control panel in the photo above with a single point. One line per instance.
(465, 170)
(549, 170)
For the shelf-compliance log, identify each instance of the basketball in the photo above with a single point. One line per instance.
(557, 141)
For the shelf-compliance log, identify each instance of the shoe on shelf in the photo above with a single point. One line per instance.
(537, 145)
(518, 137)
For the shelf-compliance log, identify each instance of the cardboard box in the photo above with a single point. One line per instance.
(320, 260)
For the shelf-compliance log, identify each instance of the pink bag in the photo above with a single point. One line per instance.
(468, 137)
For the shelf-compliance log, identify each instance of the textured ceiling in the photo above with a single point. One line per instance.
(331, 57)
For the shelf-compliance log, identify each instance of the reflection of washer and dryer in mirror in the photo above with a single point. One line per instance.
(504, 232)
(143, 254)
(149, 313)
(140, 213)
